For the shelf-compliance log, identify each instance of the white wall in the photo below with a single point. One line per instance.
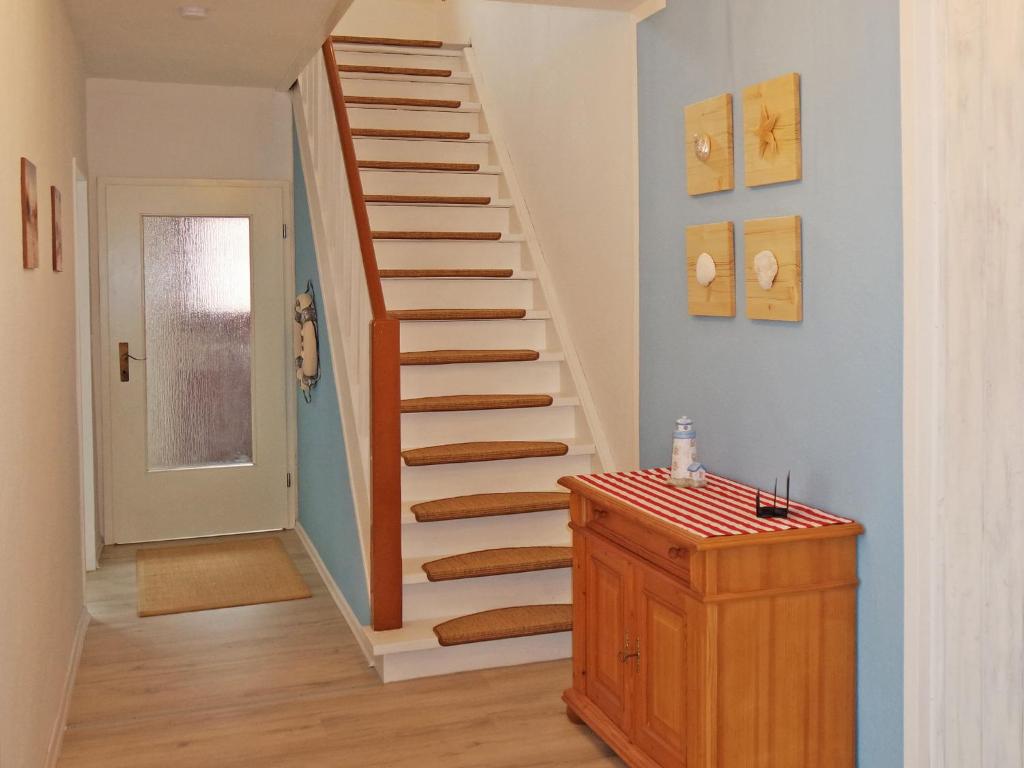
(40, 549)
(166, 130)
(563, 82)
(963, 107)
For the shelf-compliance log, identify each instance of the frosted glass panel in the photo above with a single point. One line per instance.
(198, 341)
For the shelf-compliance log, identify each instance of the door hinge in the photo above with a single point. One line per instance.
(284, 231)
(288, 480)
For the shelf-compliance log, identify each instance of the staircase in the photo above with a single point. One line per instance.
(491, 415)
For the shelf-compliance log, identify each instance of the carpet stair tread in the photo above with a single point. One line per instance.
(488, 505)
(464, 453)
(458, 314)
(446, 403)
(502, 623)
(462, 356)
(498, 562)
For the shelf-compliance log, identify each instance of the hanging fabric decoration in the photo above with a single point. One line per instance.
(306, 338)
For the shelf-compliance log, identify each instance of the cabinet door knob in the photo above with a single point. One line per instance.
(599, 513)
(675, 552)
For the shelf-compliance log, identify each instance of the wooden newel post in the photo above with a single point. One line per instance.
(386, 485)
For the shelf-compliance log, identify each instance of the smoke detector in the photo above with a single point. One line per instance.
(193, 12)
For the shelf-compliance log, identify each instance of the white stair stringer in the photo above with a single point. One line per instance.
(414, 651)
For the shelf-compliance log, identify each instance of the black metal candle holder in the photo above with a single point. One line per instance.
(773, 511)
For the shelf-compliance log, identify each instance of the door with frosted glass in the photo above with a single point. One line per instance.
(198, 367)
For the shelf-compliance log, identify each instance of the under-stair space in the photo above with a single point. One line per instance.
(491, 417)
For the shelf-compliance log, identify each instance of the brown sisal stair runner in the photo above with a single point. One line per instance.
(361, 69)
(388, 133)
(489, 505)
(400, 41)
(488, 273)
(474, 403)
(429, 199)
(397, 101)
(436, 235)
(460, 356)
(521, 621)
(404, 165)
(498, 562)
(464, 453)
(458, 314)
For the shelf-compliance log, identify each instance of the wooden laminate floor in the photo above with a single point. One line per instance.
(285, 684)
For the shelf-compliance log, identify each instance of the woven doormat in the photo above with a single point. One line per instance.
(201, 577)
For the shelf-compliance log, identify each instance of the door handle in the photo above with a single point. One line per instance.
(124, 360)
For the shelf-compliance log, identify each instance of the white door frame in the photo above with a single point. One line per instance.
(84, 383)
(104, 425)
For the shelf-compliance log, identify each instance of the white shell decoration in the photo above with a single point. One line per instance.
(706, 271)
(766, 267)
(702, 146)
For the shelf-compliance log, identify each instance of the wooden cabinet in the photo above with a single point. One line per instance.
(736, 652)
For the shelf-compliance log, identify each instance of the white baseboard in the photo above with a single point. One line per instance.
(339, 599)
(60, 724)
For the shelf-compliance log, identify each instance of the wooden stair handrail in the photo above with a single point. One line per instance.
(385, 400)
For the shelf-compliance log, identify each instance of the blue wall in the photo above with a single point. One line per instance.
(822, 398)
(326, 510)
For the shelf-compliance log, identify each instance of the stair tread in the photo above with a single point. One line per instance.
(375, 69)
(446, 403)
(502, 623)
(459, 356)
(498, 562)
(406, 165)
(488, 505)
(400, 101)
(415, 235)
(463, 453)
(396, 41)
(428, 199)
(480, 273)
(458, 314)
(401, 133)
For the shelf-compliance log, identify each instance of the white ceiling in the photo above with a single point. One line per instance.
(262, 43)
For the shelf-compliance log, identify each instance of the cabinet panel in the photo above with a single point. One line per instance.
(666, 695)
(608, 587)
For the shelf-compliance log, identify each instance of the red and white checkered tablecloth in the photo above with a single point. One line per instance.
(722, 508)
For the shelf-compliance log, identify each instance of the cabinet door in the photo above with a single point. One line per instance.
(667, 691)
(609, 586)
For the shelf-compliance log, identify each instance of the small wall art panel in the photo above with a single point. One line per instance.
(772, 151)
(711, 270)
(773, 273)
(709, 145)
(29, 216)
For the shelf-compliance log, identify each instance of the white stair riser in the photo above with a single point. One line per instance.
(466, 255)
(445, 480)
(456, 63)
(463, 658)
(408, 90)
(548, 423)
(474, 334)
(429, 183)
(438, 218)
(541, 529)
(482, 378)
(415, 120)
(423, 151)
(464, 596)
(446, 293)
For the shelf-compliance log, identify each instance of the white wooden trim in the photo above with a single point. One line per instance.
(540, 265)
(923, 110)
(104, 428)
(358, 630)
(60, 723)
